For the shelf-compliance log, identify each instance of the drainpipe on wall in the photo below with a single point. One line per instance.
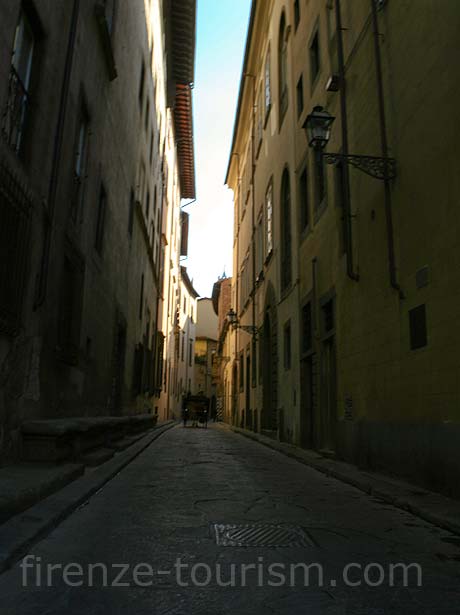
(344, 125)
(384, 149)
(42, 277)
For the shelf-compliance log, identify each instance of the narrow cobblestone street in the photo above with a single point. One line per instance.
(164, 506)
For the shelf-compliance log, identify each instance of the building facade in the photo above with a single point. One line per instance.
(92, 104)
(345, 275)
(205, 350)
(223, 365)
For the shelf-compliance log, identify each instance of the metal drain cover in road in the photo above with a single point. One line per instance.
(261, 535)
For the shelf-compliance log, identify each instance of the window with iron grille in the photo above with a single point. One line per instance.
(417, 327)
(17, 105)
(15, 210)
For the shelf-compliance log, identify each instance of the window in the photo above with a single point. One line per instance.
(320, 178)
(282, 69)
(417, 327)
(303, 201)
(241, 370)
(99, 240)
(254, 362)
(259, 126)
(141, 184)
(15, 115)
(328, 323)
(190, 354)
(152, 140)
(268, 87)
(299, 92)
(296, 13)
(314, 58)
(15, 216)
(307, 328)
(131, 212)
(269, 219)
(260, 244)
(147, 115)
(141, 298)
(285, 210)
(147, 205)
(80, 163)
(141, 84)
(287, 345)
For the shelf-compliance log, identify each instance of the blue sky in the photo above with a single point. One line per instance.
(221, 35)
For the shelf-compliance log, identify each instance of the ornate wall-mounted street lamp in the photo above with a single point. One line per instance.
(318, 128)
(234, 322)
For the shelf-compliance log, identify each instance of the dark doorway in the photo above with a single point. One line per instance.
(268, 414)
(307, 424)
(234, 400)
(248, 392)
(328, 395)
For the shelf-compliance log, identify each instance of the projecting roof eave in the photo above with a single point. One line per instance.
(241, 90)
(183, 122)
(188, 284)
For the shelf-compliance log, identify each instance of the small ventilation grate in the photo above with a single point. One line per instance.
(263, 535)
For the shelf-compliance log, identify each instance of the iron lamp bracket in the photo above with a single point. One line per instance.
(375, 166)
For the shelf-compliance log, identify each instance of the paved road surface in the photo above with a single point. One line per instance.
(162, 510)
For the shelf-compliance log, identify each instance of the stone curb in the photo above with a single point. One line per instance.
(432, 507)
(22, 531)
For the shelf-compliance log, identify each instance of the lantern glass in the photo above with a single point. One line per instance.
(318, 127)
(231, 316)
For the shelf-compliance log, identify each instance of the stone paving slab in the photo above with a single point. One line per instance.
(23, 530)
(433, 507)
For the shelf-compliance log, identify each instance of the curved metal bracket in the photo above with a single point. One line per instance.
(380, 168)
(251, 329)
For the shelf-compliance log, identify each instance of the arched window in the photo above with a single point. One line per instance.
(282, 69)
(286, 242)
